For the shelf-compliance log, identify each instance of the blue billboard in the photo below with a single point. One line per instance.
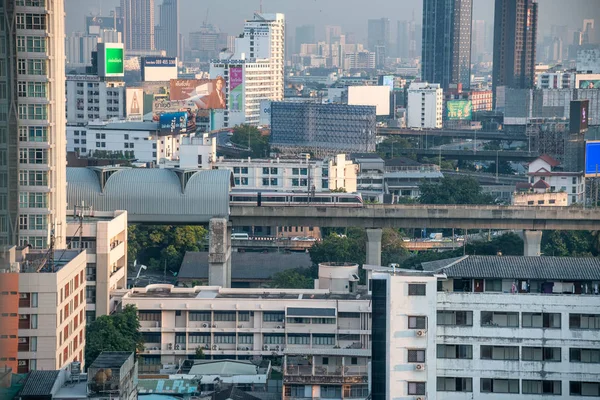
(173, 123)
(592, 158)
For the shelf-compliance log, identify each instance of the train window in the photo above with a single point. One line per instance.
(243, 198)
(275, 199)
(300, 199)
(349, 200)
(321, 200)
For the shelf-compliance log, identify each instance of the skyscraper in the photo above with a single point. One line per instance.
(32, 125)
(332, 32)
(479, 47)
(379, 39)
(304, 34)
(138, 24)
(167, 32)
(447, 42)
(406, 39)
(515, 31)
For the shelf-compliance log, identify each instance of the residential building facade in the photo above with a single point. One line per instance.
(90, 98)
(425, 105)
(494, 326)
(138, 24)
(543, 176)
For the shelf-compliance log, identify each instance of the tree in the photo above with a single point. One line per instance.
(569, 243)
(461, 190)
(504, 167)
(299, 278)
(387, 148)
(200, 353)
(116, 332)
(248, 136)
(392, 247)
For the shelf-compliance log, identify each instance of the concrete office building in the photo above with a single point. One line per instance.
(323, 129)
(425, 105)
(140, 141)
(167, 32)
(479, 326)
(378, 39)
(91, 98)
(406, 39)
(305, 34)
(446, 52)
(32, 125)
(296, 174)
(515, 39)
(138, 24)
(323, 333)
(555, 80)
(50, 304)
(103, 235)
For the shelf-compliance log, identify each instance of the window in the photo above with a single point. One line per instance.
(584, 321)
(541, 320)
(331, 392)
(455, 318)
(246, 339)
(584, 388)
(36, 67)
(500, 353)
(323, 340)
(298, 339)
(493, 285)
(584, 355)
(200, 316)
(224, 315)
(265, 182)
(37, 89)
(416, 289)
(458, 351)
(541, 354)
(273, 316)
(445, 384)
(416, 356)
(199, 338)
(489, 385)
(265, 171)
(275, 338)
(224, 338)
(541, 387)
(31, 21)
(415, 322)
(500, 319)
(244, 316)
(416, 388)
(150, 315)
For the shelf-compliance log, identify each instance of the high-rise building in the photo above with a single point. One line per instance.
(305, 34)
(425, 105)
(479, 38)
(515, 31)
(32, 108)
(167, 32)
(378, 39)
(332, 32)
(138, 24)
(447, 42)
(406, 40)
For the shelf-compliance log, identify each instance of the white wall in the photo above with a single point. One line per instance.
(378, 96)
(425, 104)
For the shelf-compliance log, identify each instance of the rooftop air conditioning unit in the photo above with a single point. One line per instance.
(214, 325)
(279, 327)
(420, 367)
(421, 398)
(205, 325)
(215, 347)
(266, 347)
(421, 333)
(247, 348)
(277, 348)
(177, 347)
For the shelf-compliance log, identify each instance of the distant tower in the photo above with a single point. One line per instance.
(138, 24)
(446, 49)
(167, 32)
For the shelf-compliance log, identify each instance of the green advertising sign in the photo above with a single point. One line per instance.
(459, 109)
(114, 61)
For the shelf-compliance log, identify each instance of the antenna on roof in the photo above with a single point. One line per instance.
(260, 9)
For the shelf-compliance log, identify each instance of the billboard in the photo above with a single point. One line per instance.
(134, 98)
(459, 109)
(111, 58)
(205, 94)
(378, 96)
(388, 80)
(173, 123)
(159, 69)
(589, 84)
(592, 159)
(236, 88)
(578, 121)
(265, 113)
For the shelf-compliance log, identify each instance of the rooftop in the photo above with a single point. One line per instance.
(111, 359)
(38, 261)
(519, 267)
(258, 266)
(167, 386)
(223, 368)
(39, 383)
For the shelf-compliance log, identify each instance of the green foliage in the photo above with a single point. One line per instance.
(299, 278)
(200, 353)
(571, 243)
(461, 190)
(155, 245)
(387, 148)
(249, 136)
(116, 332)
(339, 190)
(503, 168)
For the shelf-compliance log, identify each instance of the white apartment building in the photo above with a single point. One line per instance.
(323, 333)
(90, 98)
(572, 183)
(50, 307)
(197, 152)
(80, 45)
(487, 326)
(425, 105)
(555, 80)
(136, 140)
(287, 175)
(103, 235)
(40, 64)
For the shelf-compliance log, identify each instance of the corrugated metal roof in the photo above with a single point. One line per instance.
(152, 191)
(520, 267)
(40, 383)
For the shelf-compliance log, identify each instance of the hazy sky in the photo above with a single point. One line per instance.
(350, 14)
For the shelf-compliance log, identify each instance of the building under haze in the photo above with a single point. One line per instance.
(447, 42)
(167, 32)
(138, 24)
(515, 31)
(378, 40)
(305, 34)
(32, 171)
(406, 39)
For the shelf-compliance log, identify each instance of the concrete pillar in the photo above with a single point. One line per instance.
(533, 243)
(219, 253)
(374, 246)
